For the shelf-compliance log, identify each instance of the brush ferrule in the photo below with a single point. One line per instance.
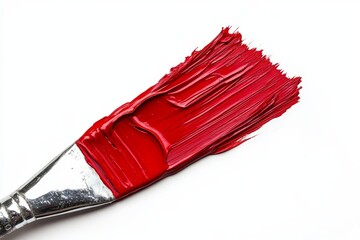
(66, 184)
(14, 213)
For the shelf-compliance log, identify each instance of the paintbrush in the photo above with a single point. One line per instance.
(206, 105)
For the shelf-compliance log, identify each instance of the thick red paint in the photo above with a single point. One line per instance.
(205, 105)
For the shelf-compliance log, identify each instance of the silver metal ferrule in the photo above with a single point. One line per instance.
(66, 184)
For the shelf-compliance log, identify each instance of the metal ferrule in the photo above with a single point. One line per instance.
(66, 184)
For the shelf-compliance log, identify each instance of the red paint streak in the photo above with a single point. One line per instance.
(205, 105)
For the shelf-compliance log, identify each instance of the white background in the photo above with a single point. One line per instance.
(65, 64)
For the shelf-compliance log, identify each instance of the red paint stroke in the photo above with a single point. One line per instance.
(206, 105)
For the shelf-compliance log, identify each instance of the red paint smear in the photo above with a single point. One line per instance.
(205, 105)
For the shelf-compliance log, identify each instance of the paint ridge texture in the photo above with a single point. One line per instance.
(206, 105)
